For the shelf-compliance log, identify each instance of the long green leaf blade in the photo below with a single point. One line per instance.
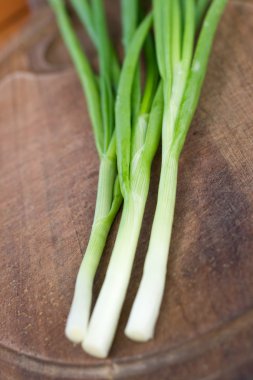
(201, 7)
(87, 17)
(157, 6)
(105, 64)
(153, 134)
(198, 71)
(84, 12)
(83, 68)
(123, 104)
(152, 75)
(129, 15)
(189, 33)
(176, 35)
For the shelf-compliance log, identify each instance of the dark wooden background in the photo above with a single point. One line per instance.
(48, 178)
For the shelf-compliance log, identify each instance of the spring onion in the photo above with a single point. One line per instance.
(128, 121)
(182, 67)
(101, 110)
(134, 156)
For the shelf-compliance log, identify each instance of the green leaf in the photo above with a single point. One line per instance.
(84, 12)
(176, 34)
(153, 134)
(123, 103)
(129, 15)
(197, 72)
(152, 75)
(201, 8)
(88, 18)
(105, 65)
(83, 68)
(189, 33)
(163, 31)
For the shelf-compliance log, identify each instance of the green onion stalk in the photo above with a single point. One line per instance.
(182, 66)
(136, 148)
(100, 97)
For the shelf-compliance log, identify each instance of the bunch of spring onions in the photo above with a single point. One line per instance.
(130, 114)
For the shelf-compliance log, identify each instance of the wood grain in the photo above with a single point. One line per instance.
(48, 167)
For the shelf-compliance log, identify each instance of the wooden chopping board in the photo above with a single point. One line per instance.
(49, 171)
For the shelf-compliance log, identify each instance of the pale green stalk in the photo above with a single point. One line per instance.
(134, 176)
(177, 118)
(107, 204)
(105, 317)
(108, 195)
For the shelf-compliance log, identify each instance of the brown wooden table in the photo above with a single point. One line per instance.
(13, 15)
(48, 184)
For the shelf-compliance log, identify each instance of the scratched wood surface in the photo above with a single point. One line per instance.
(48, 172)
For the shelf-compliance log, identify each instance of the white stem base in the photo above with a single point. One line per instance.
(146, 307)
(105, 317)
(77, 322)
(79, 314)
(141, 323)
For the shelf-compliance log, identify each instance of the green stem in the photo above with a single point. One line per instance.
(107, 173)
(83, 10)
(201, 8)
(85, 14)
(139, 135)
(83, 69)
